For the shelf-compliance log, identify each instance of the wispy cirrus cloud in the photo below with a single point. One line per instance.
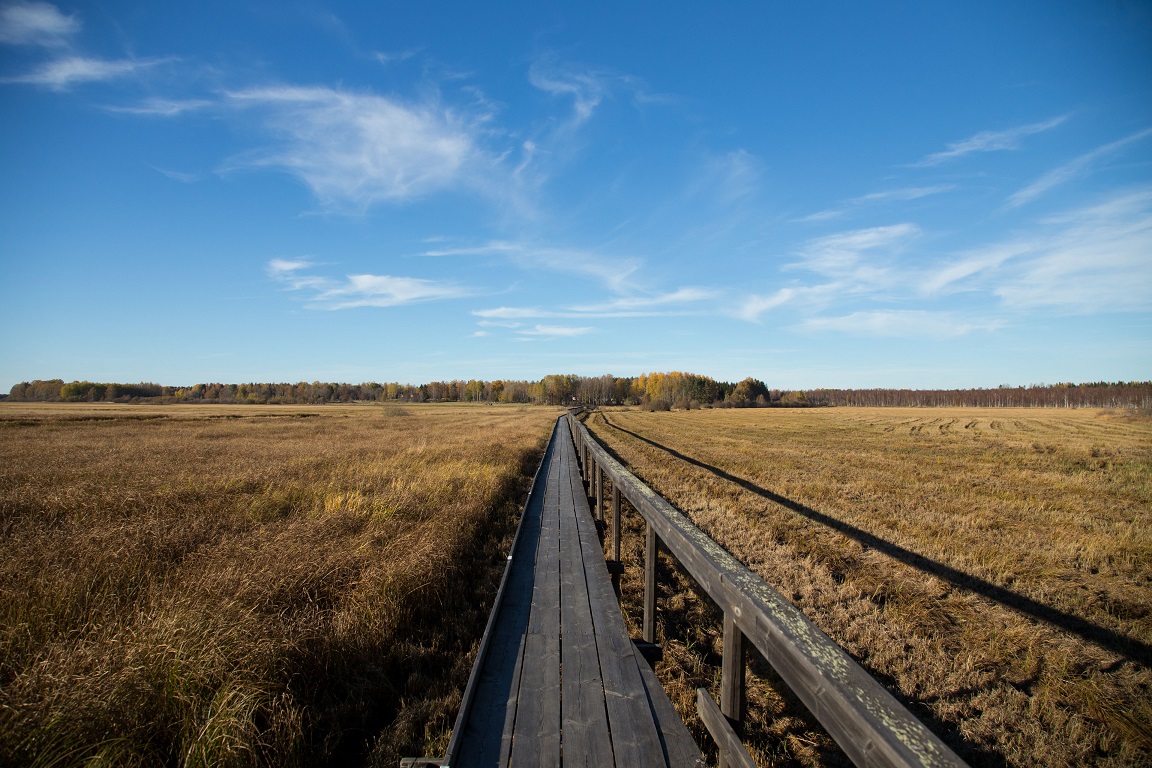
(43, 25)
(753, 307)
(553, 332)
(60, 74)
(900, 323)
(900, 194)
(1071, 170)
(613, 271)
(357, 149)
(39, 24)
(586, 87)
(842, 255)
(1087, 260)
(164, 107)
(649, 303)
(991, 141)
(363, 290)
(854, 263)
(672, 303)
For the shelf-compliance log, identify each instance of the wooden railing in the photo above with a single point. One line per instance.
(866, 721)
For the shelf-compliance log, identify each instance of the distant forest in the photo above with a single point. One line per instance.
(655, 391)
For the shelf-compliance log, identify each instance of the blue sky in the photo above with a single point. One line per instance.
(918, 194)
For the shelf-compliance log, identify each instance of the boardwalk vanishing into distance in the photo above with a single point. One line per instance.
(558, 681)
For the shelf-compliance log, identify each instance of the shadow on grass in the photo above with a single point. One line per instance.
(1131, 648)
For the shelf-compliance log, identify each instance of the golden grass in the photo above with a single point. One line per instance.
(240, 585)
(993, 568)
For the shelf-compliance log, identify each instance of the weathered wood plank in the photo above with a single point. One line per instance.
(586, 738)
(635, 735)
(680, 749)
(536, 737)
(559, 681)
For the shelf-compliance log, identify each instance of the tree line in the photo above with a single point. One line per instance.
(654, 391)
(1100, 394)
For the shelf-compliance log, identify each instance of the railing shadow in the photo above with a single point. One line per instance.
(1131, 648)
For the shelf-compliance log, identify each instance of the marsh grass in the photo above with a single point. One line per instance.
(248, 585)
(1006, 596)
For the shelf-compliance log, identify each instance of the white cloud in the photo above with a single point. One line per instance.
(754, 306)
(901, 323)
(840, 255)
(364, 290)
(991, 141)
(586, 88)
(386, 291)
(730, 177)
(513, 313)
(613, 272)
(387, 58)
(1071, 170)
(288, 266)
(640, 303)
(164, 107)
(555, 331)
(356, 149)
(969, 265)
(1088, 260)
(1097, 261)
(62, 73)
(36, 24)
(660, 305)
(902, 194)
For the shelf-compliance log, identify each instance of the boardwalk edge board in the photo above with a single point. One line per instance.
(867, 721)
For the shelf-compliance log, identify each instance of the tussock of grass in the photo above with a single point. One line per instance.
(1051, 507)
(259, 589)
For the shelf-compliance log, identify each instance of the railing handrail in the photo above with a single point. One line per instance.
(868, 723)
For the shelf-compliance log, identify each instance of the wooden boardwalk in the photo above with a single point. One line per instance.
(559, 681)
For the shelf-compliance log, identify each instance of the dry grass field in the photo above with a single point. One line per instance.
(261, 585)
(993, 568)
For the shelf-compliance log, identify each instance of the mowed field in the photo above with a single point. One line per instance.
(992, 568)
(203, 585)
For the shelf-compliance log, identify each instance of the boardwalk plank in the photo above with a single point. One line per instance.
(537, 729)
(635, 739)
(585, 721)
(560, 682)
(680, 748)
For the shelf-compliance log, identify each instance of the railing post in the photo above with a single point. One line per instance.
(651, 543)
(732, 689)
(615, 523)
(599, 493)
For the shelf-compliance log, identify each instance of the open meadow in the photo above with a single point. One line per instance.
(242, 585)
(991, 567)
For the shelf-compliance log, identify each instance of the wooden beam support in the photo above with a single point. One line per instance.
(733, 696)
(732, 751)
(651, 546)
(615, 523)
(599, 493)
